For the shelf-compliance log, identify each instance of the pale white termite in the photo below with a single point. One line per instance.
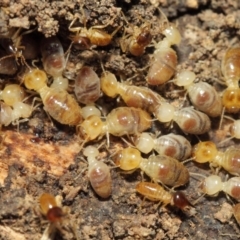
(98, 173)
(172, 145)
(213, 184)
(202, 95)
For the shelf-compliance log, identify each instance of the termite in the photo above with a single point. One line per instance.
(213, 184)
(164, 59)
(119, 121)
(87, 86)
(98, 173)
(208, 152)
(202, 95)
(57, 102)
(172, 145)
(155, 192)
(54, 61)
(231, 72)
(160, 168)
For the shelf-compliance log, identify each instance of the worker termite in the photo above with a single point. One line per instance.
(90, 110)
(231, 72)
(119, 121)
(51, 208)
(57, 102)
(13, 107)
(207, 152)
(87, 86)
(133, 96)
(137, 38)
(172, 145)
(188, 119)
(155, 192)
(164, 62)
(54, 61)
(202, 95)
(84, 37)
(213, 184)
(159, 168)
(98, 173)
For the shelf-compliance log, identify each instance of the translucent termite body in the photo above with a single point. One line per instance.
(213, 184)
(57, 102)
(207, 152)
(172, 145)
(54, 61)
(231, 72)
(119, 121)
(155, 192)
(13, 107)
(164, 63)
(202, 95)
(98, 173)
(159, 168)
(87, 86)
(50, 208)
(137, 40)
(188, 119)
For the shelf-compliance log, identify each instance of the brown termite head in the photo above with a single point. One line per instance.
(98, 173)
(204, 152)
(50, 208)
(231, 67)
(87, 86)
(53, 56)
(128, 159)
(231, 100)
(109, 84)
(180, 200)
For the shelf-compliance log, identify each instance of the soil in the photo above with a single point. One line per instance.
(41, 155)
